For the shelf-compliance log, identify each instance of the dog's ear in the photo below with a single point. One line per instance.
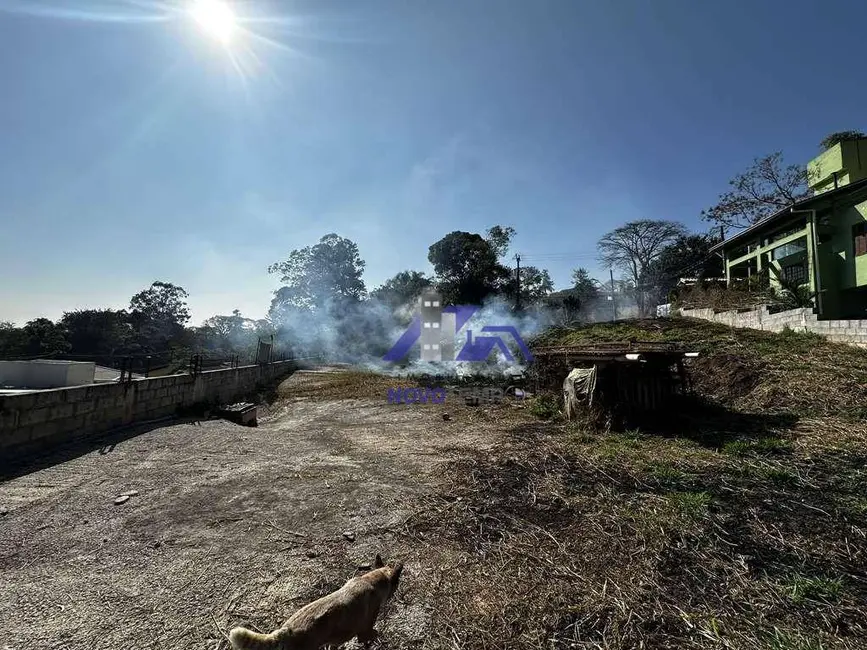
(395, 573)
(378, 563)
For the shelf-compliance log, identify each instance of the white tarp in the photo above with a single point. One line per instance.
(578, 389)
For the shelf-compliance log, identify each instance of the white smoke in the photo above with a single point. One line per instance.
(361, 333)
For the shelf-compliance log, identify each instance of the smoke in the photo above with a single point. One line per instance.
(361, 332)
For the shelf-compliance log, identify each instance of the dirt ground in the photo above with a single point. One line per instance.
(231, 525)
(726, 529)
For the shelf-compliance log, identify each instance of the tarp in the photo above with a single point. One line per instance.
(578, 390)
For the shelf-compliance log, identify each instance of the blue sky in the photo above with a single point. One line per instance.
(132, 149)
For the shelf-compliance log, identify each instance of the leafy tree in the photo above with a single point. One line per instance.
(402, 289)
(634, 247)
(584, 286)
(328, 273)
(98, 332)
(41, 337)
(162, 301)
(839, 136)
(565, 304)
(536, 284)
(500, 238)
(12, 341)
(467, 268)
(686, 256)
(158, 315)
(763, 189)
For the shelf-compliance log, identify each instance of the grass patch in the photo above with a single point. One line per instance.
(764, 445)
(545, 406)
(692, 505)
(801, 588)
(780, 640)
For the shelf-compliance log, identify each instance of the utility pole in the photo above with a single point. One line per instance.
(518, 283)
(613, 300)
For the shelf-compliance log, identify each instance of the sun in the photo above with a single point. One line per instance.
(216, 19)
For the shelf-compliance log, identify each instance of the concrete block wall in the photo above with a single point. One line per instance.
(851, 332)
(37, 421)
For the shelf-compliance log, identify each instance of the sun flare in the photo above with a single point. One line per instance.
(216, 19)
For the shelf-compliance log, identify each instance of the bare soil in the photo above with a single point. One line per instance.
(231, 525)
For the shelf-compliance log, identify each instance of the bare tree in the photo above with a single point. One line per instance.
(634, 247)
(763, 189)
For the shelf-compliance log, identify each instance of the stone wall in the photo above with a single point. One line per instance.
(852, 332)
(36, 421)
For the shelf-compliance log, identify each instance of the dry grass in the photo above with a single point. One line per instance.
(564, 539)
(749, 370)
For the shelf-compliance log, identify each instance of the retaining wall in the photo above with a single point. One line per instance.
(31, 422)
(852, 332)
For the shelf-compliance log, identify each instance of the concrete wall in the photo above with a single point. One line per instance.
(37, 421)
(46, 373)
(853, 332)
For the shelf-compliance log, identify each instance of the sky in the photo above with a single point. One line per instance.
(136, 147)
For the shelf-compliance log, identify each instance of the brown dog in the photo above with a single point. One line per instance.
(333, 619)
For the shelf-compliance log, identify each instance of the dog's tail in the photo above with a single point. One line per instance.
(244, 639)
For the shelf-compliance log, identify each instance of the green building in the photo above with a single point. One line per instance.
(820, 241)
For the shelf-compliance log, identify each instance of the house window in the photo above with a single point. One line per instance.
(795, 273)
(427, 303)
(436, 346)
(427, 346)
(859, 234)
(436, 325)
(436, 303)
(427, 325)
(797, 246)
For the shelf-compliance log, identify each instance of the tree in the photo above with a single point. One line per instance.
(467, 268)
(565, 304)
(762, 190)
(12, 341)
(227, 334)
(584, 286)
(500, 238)
(686, 256)
(158, 315)
(43, 338)
(839, 136)
(634, 247)
(315, 277)
(98, 332)
(402, 289)
(162, 301)
(536, 284)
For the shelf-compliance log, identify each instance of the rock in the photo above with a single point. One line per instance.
(121, 499)
(3, 512)
(157, 544)
(311, 554)
(349, 536)
(446, 417)
(365, 567)
(129, 493)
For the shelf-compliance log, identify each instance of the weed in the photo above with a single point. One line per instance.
(800, 588)
(780, 640)
(692, 505)
(545, 406)
(766, 445)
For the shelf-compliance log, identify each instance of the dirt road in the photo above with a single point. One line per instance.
(230, 525)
